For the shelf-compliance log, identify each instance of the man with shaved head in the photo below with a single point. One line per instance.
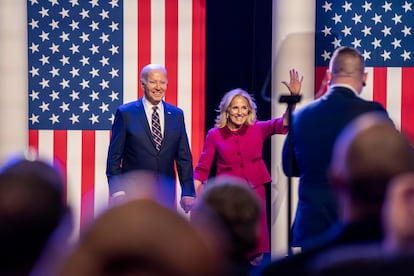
(367, 155)
(314, 130)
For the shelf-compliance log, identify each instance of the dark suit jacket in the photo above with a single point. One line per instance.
(368, 231)
(132, 147)
(315, 128)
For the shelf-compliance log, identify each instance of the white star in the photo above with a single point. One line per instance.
(94, 49)
(104, 84)
(64, 83)
(54, 48)
(34, 119)
(44, 83)
(114, 26)
(64, 13)
(114, 95)
(44, 106)
(326, 31)
(406, 31)
(44, 36)
(74, 25)
(114, 49)
(34, 71)
(104, 38)
(386, 31)
(84, 84)
(84, 13)
(104, 107)
(84, 37)
(346, 30)
(74, 95)
(54, 24)
(34, 48)
(337, 18)
(44, 12)
(74, 72)
(396, 43)
(32, 2)
(74, 2)
(112, 118)
(356, 43)
(44, 59)
(406, 55)
(94, 25)
(94, 72)
(84, 107)
(387, 6)
(104, 61)
(377, 18)
(366, 31)
(376, 43)
(34, 24)
(326, 55)
(94, 3)
(64, 36)
(114, 3)
(366, 55)
(357, 18)
(114, 72)
(94, 95)
(336, 42)
(94, 118)
(54, 95)
(386, 55)
(74, 48)
(54, 2)
(64, 106)
(54, 71)
(347, 6)
(406, 6)
(74, 118)
(64, 60)
(34, 95)
(104, 14)
(396, 19)
(367, 6)
(54, 118)
(84, 60)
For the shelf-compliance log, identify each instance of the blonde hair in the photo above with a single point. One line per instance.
(222, 117)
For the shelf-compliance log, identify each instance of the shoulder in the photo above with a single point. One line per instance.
(130, 105)
(173, 109)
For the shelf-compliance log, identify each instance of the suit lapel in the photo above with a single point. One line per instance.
(142, 118)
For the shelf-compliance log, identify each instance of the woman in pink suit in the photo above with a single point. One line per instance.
(236, 144)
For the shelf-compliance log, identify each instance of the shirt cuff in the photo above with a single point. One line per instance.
(119, 193)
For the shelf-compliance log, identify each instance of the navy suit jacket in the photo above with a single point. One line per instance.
(132, 147)
(315, 128)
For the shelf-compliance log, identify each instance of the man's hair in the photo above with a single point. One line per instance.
(150, 67)
(347, 62)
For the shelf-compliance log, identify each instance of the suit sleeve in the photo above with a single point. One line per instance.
(115, 151)
(289, 159)
(202, 170)
(184, 162)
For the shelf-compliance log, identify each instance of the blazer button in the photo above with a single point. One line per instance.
(238, 154)
(241, 166)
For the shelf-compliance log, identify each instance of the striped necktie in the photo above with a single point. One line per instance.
(156, 128)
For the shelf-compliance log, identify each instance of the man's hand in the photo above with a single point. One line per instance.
(187, 203)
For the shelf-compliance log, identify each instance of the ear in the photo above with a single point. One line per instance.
(328, 76)
(364, 79)
(142, 84)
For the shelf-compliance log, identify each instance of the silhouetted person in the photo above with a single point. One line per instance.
(368, 153)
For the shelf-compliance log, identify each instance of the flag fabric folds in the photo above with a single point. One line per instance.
(84, 59)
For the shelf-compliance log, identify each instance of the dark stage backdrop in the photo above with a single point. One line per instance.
(238, 54)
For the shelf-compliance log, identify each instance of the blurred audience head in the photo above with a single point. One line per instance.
(228, 212)
(140, 237)
(31, 208)
(398, 215)
(367, 155)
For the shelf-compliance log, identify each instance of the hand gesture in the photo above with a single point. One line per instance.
(295, 82)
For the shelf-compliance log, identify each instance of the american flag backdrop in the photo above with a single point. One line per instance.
(84, 59)
(383, 32)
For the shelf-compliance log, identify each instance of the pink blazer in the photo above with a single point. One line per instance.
(238, 153)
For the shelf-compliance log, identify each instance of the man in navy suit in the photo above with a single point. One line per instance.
(133, 148)
(314, 130)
